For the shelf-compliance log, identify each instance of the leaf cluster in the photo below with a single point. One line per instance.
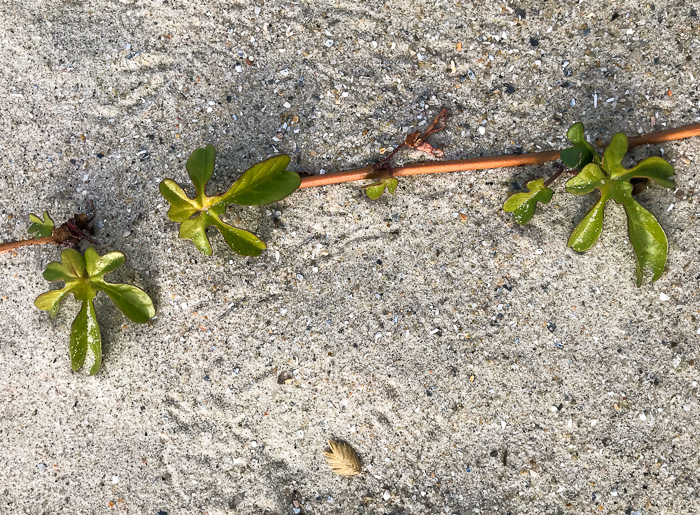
(84, 277)
(613, 182)
(264, 183)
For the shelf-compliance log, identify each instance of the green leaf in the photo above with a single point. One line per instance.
(242, 242)
(84, 336)
(588, 230)
(200, 166)
(588, 179)
(97, 265)
(582, 153)
(84, 277)
(654, 168)
(615, 151)
(613, 180)
(523, 205)
(181, 206)
(648, 240)
(132, 301)
(263, 183)
(42, 228)
(71, 268)
(51, 300)
(374, 191)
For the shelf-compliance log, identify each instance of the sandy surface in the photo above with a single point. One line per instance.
(475, 365)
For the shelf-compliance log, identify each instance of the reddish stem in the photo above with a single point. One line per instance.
(482, 163)
(12, 245)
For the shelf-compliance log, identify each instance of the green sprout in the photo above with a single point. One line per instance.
(614, 182)
(84, 277)
(523, 205)
(375, 190)
(264, 183)
(42, 228)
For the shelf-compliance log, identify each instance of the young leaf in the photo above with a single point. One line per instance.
(200, 166)
(582, 153)
(264, 183)
(84, 277)
(374, 191)
(523, 205)
(42, 228)
(646, 235)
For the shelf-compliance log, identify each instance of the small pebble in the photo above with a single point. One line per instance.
(663, 297)
(329, 43)
(482, 130)
(387, 495)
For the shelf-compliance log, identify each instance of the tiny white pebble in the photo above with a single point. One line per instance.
(482, 130)
(287, 105)
(126, 234)
(503, 424)
(253, 443)
(663, 297)
(642, 416)
(115, 480)
(239, 69)
(630, 31)
(539, 251)
(670, 207)
(257, 10)
(329, 43)
(387, 495)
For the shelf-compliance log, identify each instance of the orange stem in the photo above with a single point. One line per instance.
(482, 163)
(12, 245)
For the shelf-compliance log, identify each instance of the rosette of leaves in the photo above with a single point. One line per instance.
(614, 183)
(84, 277)
(264, 183)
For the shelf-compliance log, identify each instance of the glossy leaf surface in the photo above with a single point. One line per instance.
(42, 228)
(582, 153)
(264, 183)
(84, 277)
(523, 204)
(613, 181)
